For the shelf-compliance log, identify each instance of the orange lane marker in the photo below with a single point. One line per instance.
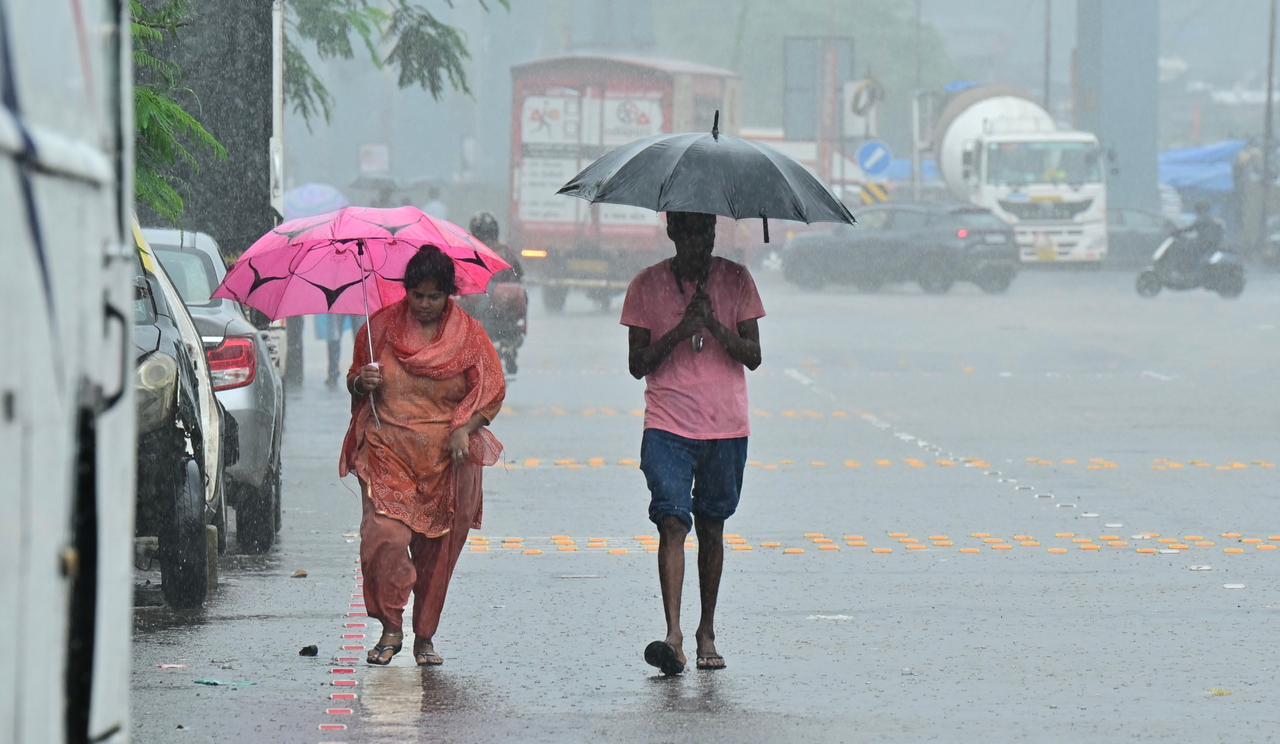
(771, 545)
(1231, 535)
(882, 551)
(1233, 551)
(896, 535)
(1058, 551)
(793, 551)
(823, 541)
(1109, 538)
(1268, 547)
(970, 551)
(1064, 535)
(1022, 538)
(618, 551)
(1091, 547)
(854, 537)
(828, 548)
(1146, 551)
(533, 551)
(743, 547)
(1117, 544)
(811, 535)
(943, 544)
(1081, 540)
(1029, 543)
(1002, 547)
(993, 540)
(1250, 541)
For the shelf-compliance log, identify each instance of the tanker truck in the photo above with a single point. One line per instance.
(1000, 150)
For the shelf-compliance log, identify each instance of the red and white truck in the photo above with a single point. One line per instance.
(568, 111)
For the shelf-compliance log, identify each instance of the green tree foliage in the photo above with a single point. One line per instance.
(401, 34)
(165, 132)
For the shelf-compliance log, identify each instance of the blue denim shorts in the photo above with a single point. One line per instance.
(690, 477)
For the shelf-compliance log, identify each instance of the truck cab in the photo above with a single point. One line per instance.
(1050, 187)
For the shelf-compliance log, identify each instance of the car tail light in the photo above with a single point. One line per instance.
(962, 233)
(233, 363)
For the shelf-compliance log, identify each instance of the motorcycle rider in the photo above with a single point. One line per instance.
(502, 310)
(485, 227)
(1202, 239)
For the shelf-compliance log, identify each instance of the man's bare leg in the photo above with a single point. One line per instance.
(671, 536)
(710, 565)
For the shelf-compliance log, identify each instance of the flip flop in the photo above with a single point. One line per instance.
(662, 655)
(381, 648)
(427, 657)
(707, 662)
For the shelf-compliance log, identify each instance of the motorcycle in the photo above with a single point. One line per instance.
(1222, 271)
(504, 312)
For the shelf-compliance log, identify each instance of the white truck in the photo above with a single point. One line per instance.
(1002, 151)
(67, 381)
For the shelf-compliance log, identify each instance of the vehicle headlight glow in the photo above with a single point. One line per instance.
(156, 378)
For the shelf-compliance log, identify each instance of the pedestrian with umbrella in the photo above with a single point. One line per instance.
(425, 384)
(693, 332)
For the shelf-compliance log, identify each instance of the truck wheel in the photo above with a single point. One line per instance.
(256, 518)
(184, 550)
(553, 298)
(935, 277)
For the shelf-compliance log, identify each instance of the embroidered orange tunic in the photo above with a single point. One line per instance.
(428, 391)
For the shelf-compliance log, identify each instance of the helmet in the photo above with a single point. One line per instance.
(484, 226)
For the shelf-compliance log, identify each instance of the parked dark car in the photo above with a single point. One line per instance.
(933, 245)
(1133, 235)
(179, 468)
(244, 379)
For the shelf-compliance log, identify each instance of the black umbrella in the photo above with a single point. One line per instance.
(708, 173)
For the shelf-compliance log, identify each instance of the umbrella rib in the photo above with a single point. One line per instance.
(767, 154)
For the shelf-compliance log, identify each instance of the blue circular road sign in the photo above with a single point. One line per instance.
(874, 158)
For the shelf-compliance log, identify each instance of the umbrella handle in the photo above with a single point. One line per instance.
(368, 329)
(765, 221)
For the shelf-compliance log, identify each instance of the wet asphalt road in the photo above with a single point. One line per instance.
(951, 530)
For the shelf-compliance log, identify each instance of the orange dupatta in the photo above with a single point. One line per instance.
(461, 347)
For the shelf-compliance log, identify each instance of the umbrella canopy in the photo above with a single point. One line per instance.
(311, 199)
(709, 173)
(350, 262)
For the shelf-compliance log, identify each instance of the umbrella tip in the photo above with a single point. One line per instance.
(715, 127)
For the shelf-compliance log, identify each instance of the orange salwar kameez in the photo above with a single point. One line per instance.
(417, 505)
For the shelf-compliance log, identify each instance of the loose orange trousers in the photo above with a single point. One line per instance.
(395, 561)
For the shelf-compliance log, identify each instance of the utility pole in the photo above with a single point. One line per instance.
(1048, 51)
(1267, 132)
(915, 113)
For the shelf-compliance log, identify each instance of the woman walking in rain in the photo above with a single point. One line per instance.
(417, 442)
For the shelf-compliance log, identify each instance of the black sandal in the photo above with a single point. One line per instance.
(382, 647)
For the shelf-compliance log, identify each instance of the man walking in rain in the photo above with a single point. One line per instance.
(693, 333)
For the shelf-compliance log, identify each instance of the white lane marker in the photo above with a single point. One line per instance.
(1156, 376)
(799, 377)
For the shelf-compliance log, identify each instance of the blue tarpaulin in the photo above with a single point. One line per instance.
(1202, 169)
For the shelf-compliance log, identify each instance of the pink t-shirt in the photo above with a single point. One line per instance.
(697, 395)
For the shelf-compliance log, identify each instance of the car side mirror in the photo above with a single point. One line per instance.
(143, 292)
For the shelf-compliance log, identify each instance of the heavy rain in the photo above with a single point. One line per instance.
(639, 370)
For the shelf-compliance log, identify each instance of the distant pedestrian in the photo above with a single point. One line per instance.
(434, 207)
(330, 329)
(437, 384)
(693, 333)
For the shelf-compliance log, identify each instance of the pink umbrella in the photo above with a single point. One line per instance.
(314, 265)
